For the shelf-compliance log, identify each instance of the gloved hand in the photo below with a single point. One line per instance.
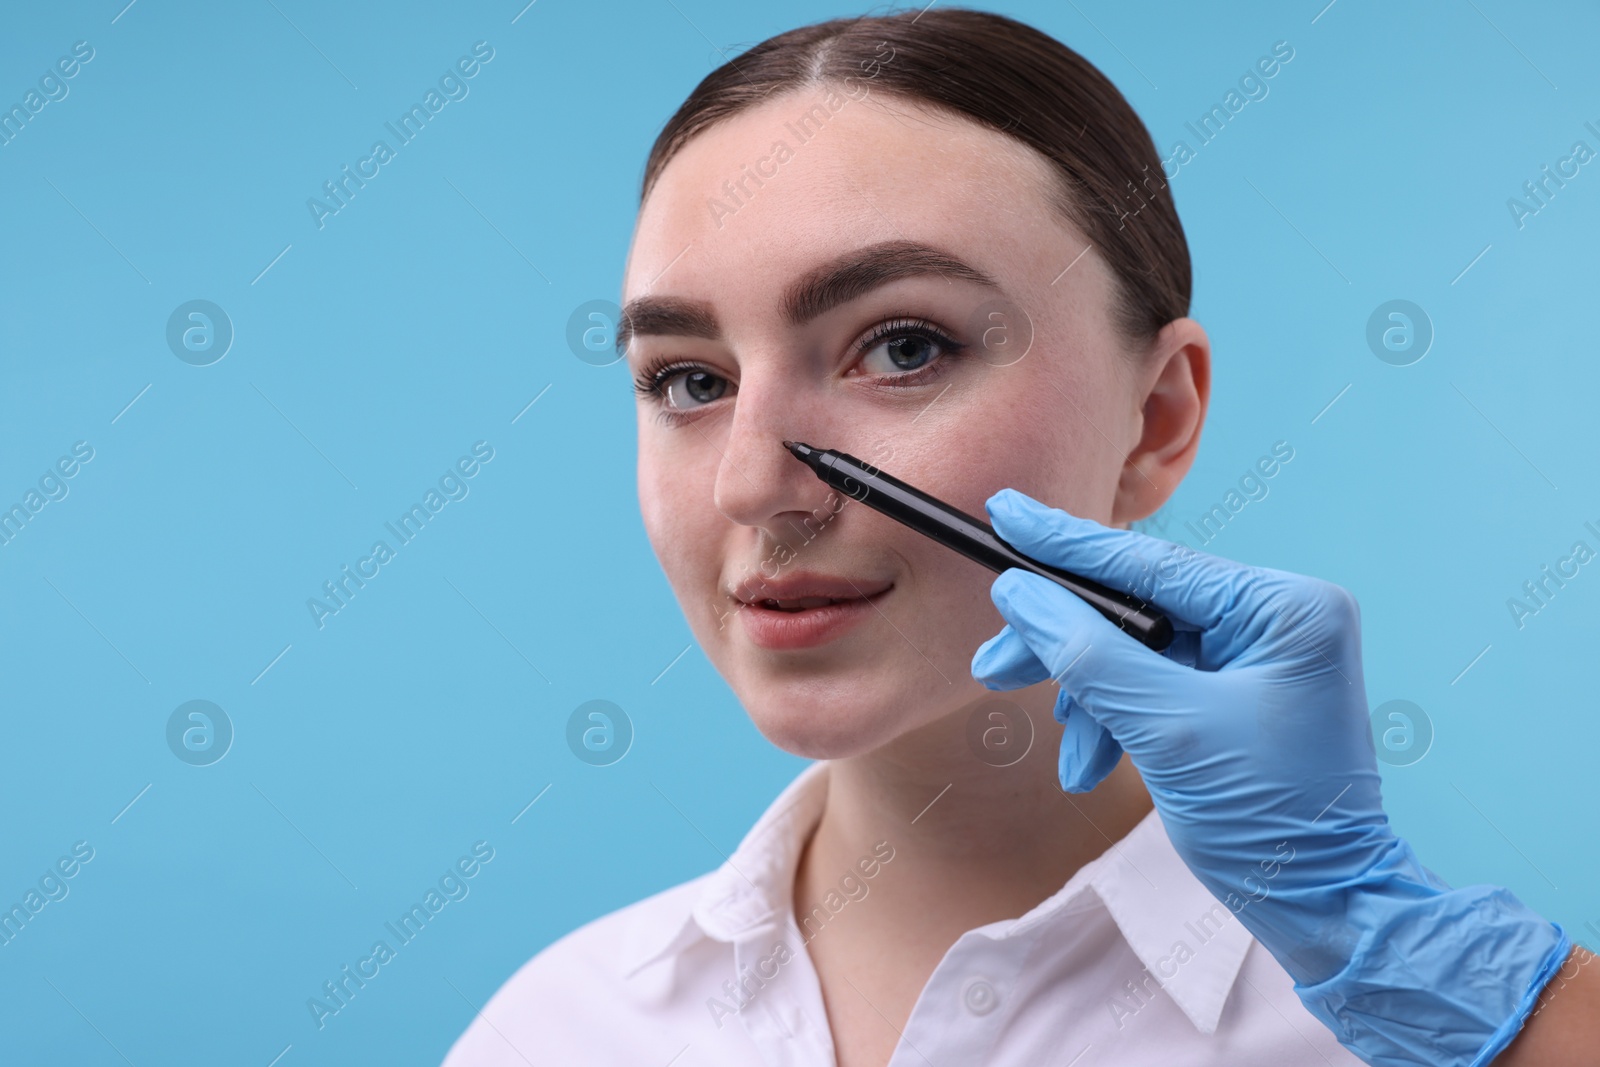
(1252, 735)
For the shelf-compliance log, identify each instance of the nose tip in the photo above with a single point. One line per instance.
(765, 481)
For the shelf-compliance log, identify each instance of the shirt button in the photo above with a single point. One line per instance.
(980, 997)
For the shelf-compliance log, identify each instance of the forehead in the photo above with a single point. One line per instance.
(789, 182)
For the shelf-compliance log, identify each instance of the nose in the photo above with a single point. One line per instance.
(759, 482)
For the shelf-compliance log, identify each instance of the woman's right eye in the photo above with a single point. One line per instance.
(680, 388)
(700, 386)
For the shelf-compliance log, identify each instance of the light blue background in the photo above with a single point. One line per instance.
(423, 318)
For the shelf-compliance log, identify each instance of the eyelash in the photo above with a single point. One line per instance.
(653, 376)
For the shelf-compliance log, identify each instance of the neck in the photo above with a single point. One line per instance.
(972, 843)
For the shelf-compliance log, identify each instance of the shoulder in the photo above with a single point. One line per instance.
(574, 1000)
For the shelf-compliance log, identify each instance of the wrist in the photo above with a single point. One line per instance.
(1406, 970)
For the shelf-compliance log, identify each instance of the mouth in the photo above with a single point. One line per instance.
(808, 591)
(807, 610)
(808, 602)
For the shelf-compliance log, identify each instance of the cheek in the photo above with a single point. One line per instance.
(1052, 441)
(689, 538)
(670, 523)
(1019, 438)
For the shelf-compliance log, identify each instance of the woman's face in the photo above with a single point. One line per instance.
(868, 289)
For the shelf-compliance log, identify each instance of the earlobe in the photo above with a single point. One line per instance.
(1172, 389)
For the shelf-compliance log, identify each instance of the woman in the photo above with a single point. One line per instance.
(942, 242)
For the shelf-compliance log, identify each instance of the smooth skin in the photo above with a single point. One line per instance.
(1093, 424)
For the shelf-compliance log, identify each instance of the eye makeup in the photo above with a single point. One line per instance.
(658, 380)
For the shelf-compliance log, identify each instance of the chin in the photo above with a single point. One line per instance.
(824, 719)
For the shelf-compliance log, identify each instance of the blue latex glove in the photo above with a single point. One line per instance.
(1251, 732)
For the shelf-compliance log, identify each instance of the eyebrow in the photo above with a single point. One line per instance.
(840, 281)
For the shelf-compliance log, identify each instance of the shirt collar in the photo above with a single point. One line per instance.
(752, 888)
(1184, 936)
(1190, 942)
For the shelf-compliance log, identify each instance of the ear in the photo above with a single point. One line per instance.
(1171, 389)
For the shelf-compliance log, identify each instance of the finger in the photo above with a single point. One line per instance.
(1006, 662)
(1106, 671)
(1088, 751)
(1196, 587)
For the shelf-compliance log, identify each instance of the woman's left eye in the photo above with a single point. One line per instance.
(902, 348)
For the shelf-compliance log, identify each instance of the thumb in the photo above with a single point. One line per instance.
(1106, 672)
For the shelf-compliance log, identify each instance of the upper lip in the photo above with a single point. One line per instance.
(807, 584)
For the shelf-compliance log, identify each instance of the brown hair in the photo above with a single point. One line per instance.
(1009, 77)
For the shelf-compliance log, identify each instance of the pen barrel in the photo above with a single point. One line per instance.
(976, 539)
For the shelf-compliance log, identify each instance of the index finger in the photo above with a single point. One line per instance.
(1193, 586)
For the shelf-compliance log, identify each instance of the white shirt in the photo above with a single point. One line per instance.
(1131, 963)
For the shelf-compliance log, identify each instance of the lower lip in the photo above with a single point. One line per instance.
(782, 631)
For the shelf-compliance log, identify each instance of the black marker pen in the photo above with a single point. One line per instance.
(973, 538)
